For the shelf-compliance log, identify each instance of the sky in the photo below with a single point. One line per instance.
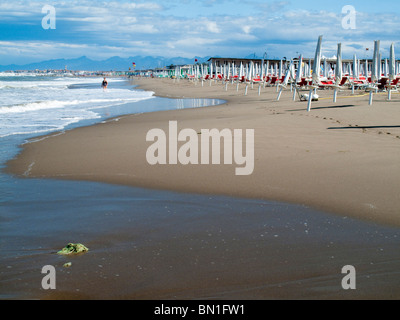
(189, 28)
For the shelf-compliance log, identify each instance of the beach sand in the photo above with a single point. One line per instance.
(342, 159)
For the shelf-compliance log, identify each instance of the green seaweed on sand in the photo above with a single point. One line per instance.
(73, 248)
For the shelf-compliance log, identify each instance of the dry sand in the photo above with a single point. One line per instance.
(341, 157)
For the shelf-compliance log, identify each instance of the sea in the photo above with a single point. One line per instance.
(40, 216)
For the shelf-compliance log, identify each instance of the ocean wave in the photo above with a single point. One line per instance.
(35, 106)
(45, 105)
(39, 128)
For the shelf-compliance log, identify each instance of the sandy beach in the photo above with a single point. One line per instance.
(334, 172)
(341, 158)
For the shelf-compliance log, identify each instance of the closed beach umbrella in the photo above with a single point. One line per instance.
(386, 68)
(316, 72)
(317, 62)
(380, 66)
(306, 70)
(366, 74)
(392, 64)
(392, 70)
(251, 70)
(262, 69)
(375, 67)
(355, 72)
(299, 74)
(339, 70)
(355, 67)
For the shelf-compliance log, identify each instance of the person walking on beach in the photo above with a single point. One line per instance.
(104, 84)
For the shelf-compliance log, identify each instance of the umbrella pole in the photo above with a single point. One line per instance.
(309, 100)
(279, 94)
(371, 93)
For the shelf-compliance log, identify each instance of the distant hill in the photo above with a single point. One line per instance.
(111, 64)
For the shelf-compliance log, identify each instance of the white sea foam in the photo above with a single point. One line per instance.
(31, 105)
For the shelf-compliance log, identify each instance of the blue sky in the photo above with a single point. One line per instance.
(188, 28)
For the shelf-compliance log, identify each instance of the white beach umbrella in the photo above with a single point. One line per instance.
(338, 71)
(224, 71)
(211, 72)
(375, 67)
(386, 72)
(392, 70)
(251, 70)
(299, 74)
(289, 73)
(306, 70)
(355, 67)
(380, 66)
(325, 68)
(392, 64)
(317, 62)
(316, 72)
(262, 70)
(355, 72)
(266, 72)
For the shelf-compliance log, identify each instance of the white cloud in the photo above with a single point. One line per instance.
(213, 27)
(154, 28)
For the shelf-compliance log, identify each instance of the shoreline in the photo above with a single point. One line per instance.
(338, 158)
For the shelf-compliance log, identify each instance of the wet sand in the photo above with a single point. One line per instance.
(341, 158)
(153, 245)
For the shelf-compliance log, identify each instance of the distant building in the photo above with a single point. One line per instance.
(218, 62)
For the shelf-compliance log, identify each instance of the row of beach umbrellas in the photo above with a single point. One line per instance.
(320, 68)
